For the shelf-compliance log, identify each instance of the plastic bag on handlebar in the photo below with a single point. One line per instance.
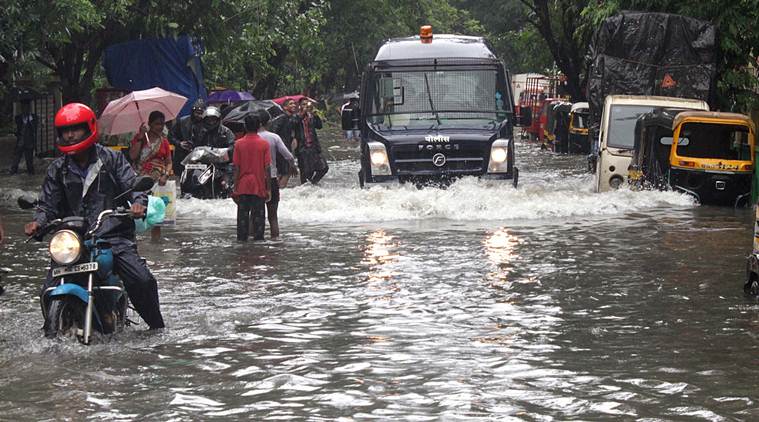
(155, 214)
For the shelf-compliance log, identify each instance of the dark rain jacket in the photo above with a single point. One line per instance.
(185, 130)
(219, 137)
(284, 126)
(66, 194)
(300, 133)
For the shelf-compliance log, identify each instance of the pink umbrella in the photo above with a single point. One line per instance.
(127, 113)
(295, 98)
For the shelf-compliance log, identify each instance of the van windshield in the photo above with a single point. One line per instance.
(622, 125)
(726, 142)
(429, 99)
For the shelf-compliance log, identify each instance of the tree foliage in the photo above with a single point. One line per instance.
(272, 47)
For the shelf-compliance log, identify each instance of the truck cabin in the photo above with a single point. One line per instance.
(428, 95)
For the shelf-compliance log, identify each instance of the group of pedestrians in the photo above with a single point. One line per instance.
(292, 147)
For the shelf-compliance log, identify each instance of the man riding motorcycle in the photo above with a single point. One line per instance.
(185, 133)
(214, 134)
(87, 180)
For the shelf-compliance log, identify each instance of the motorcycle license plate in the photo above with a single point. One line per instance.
(75, 269)
(196, 166)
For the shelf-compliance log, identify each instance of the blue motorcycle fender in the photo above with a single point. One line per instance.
(73, 290)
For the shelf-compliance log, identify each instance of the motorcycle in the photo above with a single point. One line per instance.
(205, 173)
(87, 296)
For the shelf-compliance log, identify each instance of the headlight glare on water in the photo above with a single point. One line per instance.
(65, 247)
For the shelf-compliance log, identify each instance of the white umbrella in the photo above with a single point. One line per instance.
(128, 113)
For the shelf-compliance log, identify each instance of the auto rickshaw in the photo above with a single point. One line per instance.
(579, 141)
(709, 155)
(649, 168)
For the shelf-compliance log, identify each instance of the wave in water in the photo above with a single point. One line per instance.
(466, 200)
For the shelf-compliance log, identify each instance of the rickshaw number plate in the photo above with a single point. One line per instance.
(75, 269)
(196, 166)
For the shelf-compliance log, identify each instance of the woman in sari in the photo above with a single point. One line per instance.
(150, 150)
(150, 153)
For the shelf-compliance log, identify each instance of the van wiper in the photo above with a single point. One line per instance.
(429, 96)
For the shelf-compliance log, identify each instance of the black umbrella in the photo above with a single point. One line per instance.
(237, 114)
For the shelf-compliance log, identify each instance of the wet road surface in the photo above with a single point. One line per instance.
(477, 302)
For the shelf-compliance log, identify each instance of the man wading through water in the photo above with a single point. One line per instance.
(284, 125)
(252, 174)
(276, 146)
(309, 151)
(186, 133)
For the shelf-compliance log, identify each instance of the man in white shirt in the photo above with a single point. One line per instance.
(275, 145)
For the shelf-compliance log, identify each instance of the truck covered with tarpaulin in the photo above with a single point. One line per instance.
(169, 63)
(659, 54)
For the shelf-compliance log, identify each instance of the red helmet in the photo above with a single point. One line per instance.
(76, 116)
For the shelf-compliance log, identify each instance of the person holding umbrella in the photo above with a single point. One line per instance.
(150, 153)
(150, 150)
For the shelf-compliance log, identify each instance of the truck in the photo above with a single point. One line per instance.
(434, 108)
(645, 54)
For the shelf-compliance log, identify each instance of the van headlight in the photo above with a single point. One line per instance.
(499, 154)
(65, 247)
(378, 159)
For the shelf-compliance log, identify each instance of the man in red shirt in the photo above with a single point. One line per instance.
(252, 161)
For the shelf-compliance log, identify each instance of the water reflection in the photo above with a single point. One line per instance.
(379, 255)
(500, 249)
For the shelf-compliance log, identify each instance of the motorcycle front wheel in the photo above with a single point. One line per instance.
(65, 316)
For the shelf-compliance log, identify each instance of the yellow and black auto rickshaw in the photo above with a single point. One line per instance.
(579, 142)
(709, 155)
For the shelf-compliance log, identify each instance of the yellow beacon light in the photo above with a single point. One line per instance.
(425, 33)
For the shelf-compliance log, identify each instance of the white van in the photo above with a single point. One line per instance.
(616, 138)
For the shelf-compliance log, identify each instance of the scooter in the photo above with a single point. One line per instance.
(87, 296)
(205, 175)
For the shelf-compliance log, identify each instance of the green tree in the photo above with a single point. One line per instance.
(561, 25)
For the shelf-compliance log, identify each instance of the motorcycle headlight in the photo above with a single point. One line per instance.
(65, 247)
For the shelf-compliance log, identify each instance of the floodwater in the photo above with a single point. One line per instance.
(477, 302)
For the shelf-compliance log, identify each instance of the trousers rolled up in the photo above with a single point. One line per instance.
(139, 282)
(251, 210)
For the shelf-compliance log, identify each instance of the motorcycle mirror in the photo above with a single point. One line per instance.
(143, 184)
(27, 202)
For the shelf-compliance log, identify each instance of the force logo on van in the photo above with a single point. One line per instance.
(438, 139)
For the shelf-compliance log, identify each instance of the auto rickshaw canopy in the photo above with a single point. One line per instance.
(715, 117)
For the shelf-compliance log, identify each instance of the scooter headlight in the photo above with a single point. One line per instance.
(65, 247)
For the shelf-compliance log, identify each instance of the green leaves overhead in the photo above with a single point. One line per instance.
(272, 47)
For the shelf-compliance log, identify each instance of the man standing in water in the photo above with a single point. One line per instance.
(276, 146)
(252, 174)
(284, 125)
(312, 164)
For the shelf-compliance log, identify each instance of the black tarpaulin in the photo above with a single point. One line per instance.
(637, 53)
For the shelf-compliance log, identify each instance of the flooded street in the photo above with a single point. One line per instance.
(477, 302)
